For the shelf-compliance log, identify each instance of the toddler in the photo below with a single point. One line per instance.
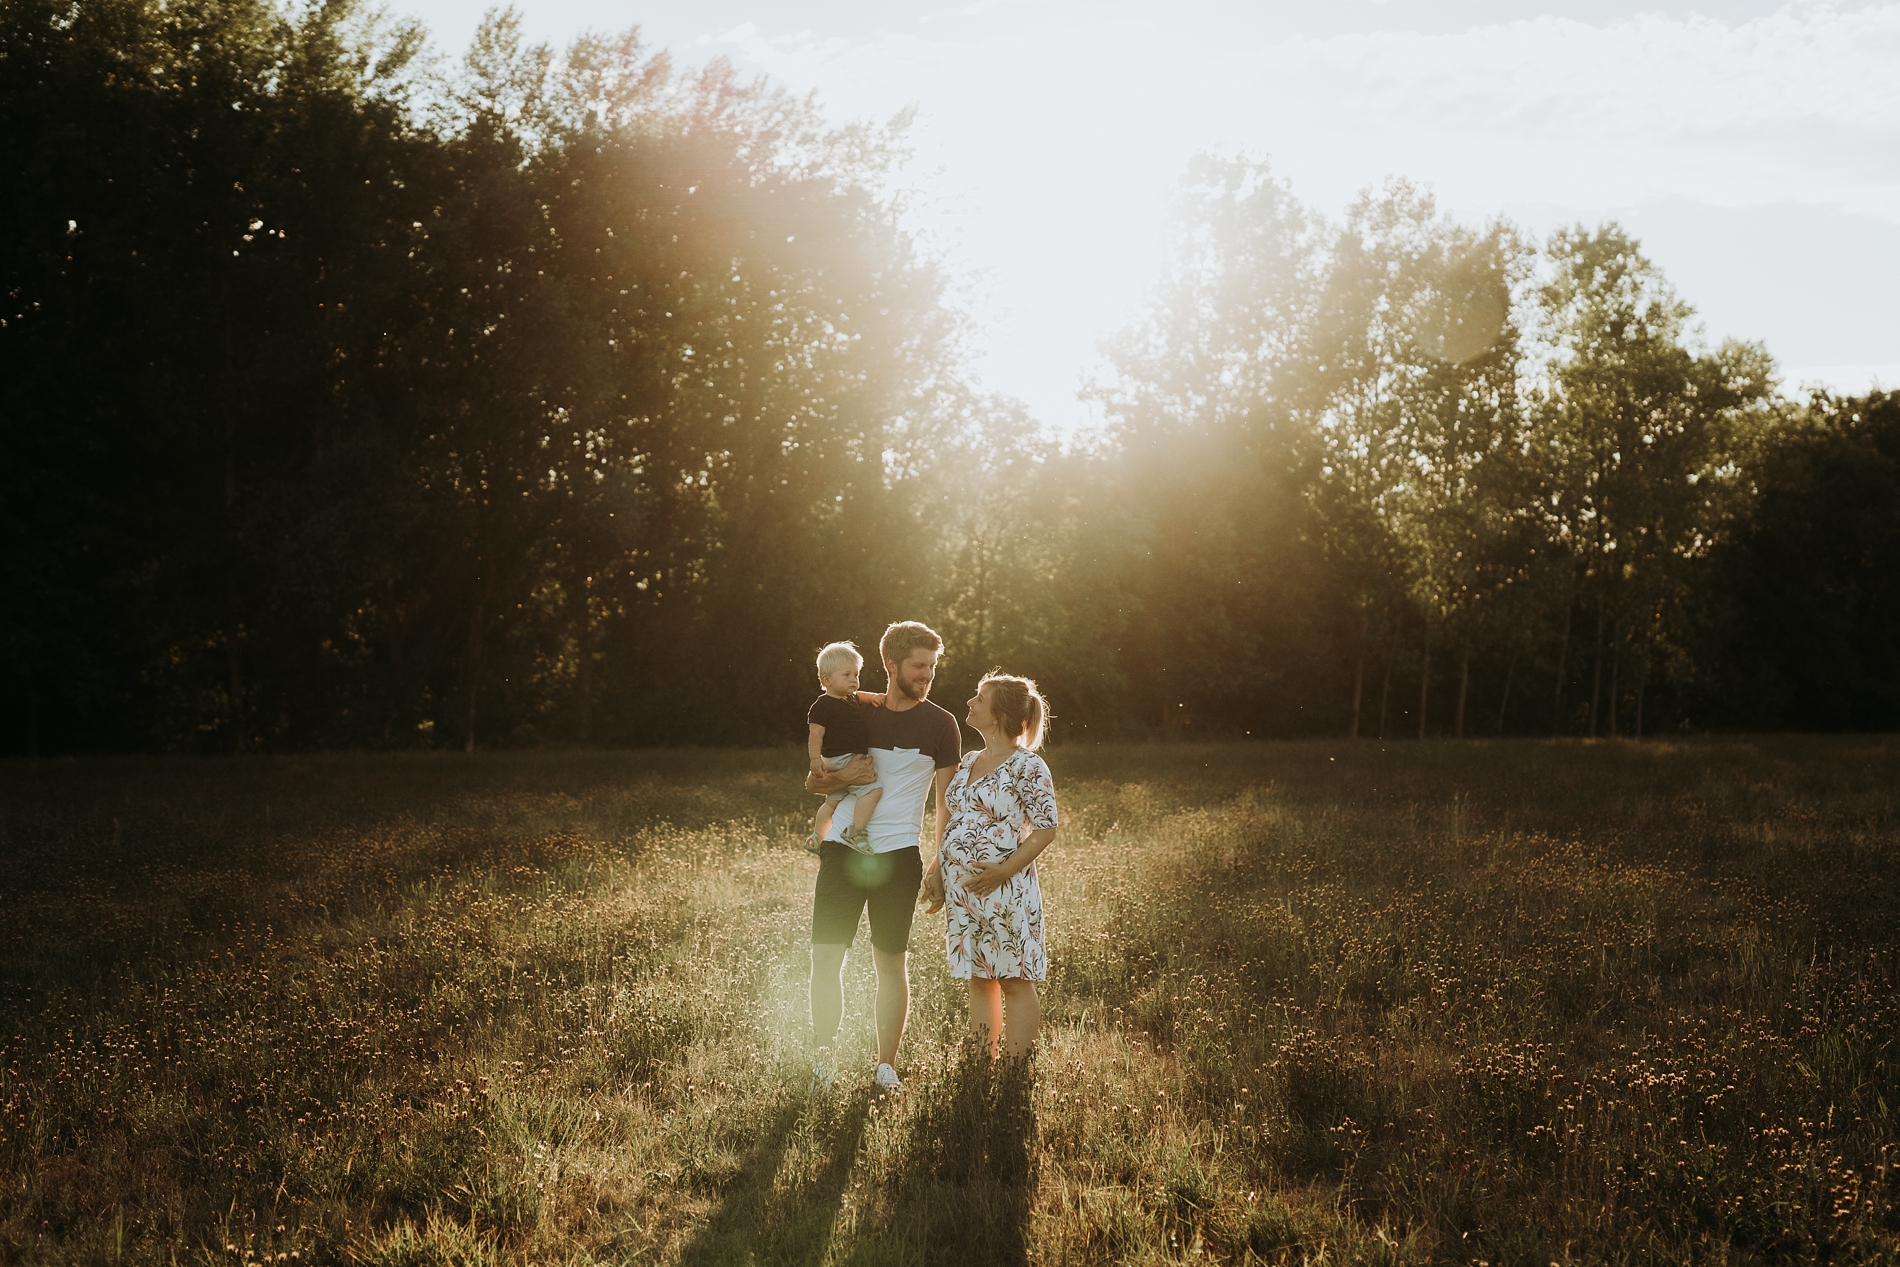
(838, 733)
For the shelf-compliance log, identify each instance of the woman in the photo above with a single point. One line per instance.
(1002, 815)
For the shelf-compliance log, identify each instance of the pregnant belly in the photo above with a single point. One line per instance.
(961, 848)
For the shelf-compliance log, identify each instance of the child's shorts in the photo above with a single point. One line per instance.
(839, 762)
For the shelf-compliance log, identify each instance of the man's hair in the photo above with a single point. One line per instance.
(838, 654)
(1018, 707)
(905, 637)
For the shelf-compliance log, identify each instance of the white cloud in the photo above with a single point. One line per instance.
(1066, 135)
(1849, 380)
(1061, 126)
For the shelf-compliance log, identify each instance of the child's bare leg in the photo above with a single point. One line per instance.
(821, 821)
(867, 802)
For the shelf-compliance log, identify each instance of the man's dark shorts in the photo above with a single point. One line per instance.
(848, 882)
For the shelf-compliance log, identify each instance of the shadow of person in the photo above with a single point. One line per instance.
(966, 1174)
(765, 1220)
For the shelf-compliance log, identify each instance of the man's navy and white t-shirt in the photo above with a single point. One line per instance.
(908, 749)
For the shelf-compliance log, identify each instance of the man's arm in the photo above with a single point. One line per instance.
(942, 781)
(933, 878)
(861, 770)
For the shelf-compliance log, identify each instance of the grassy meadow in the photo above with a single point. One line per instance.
(1512, 1002)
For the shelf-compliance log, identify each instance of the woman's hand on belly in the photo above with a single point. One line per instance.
(984, 878)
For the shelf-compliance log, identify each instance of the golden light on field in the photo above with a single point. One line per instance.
(1427, 1001)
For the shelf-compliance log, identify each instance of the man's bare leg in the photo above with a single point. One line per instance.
(827, 993)
(893, 1002)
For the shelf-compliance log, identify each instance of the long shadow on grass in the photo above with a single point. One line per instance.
(966, 1175)
(758, 1223)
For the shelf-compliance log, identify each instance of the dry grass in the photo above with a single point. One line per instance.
(1514, 1003)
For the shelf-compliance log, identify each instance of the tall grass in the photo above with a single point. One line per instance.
(1511, 1002)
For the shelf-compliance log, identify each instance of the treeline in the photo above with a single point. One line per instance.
(1401, 476)
(579, 398)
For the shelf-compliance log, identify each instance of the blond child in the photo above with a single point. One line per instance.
(837, 732)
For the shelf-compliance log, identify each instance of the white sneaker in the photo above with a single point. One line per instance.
(820, 1077)
(887, 1079)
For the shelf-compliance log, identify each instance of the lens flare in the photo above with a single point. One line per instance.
(867, 871)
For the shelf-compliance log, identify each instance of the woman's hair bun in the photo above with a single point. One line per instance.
(1019, 706)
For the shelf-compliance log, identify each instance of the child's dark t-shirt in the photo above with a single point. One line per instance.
(844, 723)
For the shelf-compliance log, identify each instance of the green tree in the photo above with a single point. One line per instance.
(520, 413)
(175, 168)
(1801, 610)
(1640, 432)
(1419, 476)
(1229, 615)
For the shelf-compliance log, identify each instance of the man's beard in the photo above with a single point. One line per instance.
(913, 691)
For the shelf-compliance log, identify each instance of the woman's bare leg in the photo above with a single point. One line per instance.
(1023, 1014)
(986, 1012)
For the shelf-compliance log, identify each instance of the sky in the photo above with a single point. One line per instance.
(1754, 148)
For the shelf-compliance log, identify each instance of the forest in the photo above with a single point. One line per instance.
(351, 397)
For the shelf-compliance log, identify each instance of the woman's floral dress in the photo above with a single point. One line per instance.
(998, 936)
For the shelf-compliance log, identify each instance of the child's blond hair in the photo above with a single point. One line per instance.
(836, 655)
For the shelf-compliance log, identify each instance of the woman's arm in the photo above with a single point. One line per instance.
(990, 875)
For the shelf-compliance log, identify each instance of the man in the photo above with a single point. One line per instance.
(915, 746)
